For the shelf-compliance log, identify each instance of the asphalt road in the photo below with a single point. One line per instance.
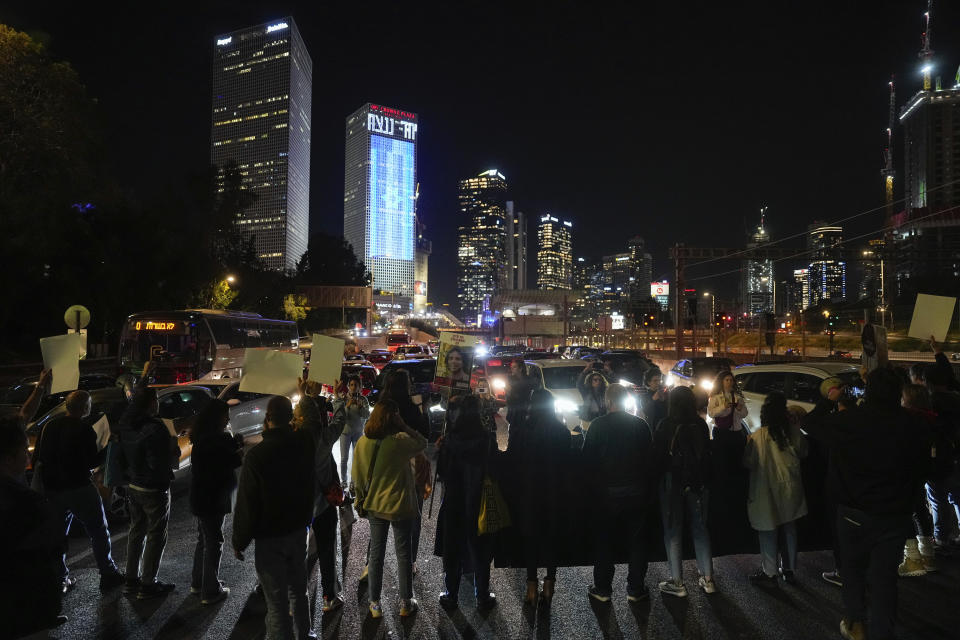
(810, 609)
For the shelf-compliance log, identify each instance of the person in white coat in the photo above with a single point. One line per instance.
(776, 499)
(726, 406)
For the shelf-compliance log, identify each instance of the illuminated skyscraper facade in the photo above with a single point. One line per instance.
(554, 254)
(757, 285)
(262, 88)
(827, 271)
(516, 248)
(379, 195)
(482, 265)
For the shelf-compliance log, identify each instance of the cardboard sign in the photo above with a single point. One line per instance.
(270, 372)
(455, 360)
(102, 428)
(931, 317)
(326, 359)
(61, 354)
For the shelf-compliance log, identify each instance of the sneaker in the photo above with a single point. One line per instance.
(929, 563)
(154, 590)
(68, 584)
(636, 595)
(788, 576)
(448, 602)
(408, 607)
(217, 597)
(833, 577)
(331, 604)
(852, 630)
(487, 601)
(375, 610)
(195, 591)
(111, 580)
(131, 586)
(672, 588)
(911, 568)
(597, 594)
(760, 578)
(707, 584)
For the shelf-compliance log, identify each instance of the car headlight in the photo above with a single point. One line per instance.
(671, 380)
(562, 405)
(630, 405)
(706, 385)
(624, 382)
(436, 408)
(499, 383)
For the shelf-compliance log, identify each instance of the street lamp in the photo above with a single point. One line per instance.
(231, 279)
(713, 314)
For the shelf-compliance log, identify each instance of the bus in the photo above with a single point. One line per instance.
(397, 338)
(196, 344)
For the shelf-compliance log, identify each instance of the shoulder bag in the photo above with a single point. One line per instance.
(362, 495)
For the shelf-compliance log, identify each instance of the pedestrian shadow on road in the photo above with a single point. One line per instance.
(606, 619)
(144, 609)
(641, 613)
(250, 623)
(730, 616)
(190, 620)
(677, 608)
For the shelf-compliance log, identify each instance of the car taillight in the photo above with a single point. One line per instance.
(494, 362)
(180, 377)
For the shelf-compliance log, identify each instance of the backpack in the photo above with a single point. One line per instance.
(689, 468)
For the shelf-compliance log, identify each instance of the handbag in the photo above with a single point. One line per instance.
(362, 491)
(494, 514)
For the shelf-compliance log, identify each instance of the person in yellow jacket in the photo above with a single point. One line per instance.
(386, 493)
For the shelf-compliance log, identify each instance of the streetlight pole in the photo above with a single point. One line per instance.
(713, 315)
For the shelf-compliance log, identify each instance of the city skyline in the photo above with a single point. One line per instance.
(762, 167)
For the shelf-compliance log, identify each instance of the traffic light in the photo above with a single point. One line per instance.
(718, 319)
(648, 320)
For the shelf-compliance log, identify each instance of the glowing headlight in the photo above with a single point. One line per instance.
(499, 383)
(625, 383)
(436, 408)
(706, 385)
(562, 405)
(630, 405)
(671, 380)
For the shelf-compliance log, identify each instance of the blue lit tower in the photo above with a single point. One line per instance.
(262, 87)
(379, 194)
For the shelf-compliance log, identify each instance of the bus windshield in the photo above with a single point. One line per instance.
(162, 340)
(397, 338)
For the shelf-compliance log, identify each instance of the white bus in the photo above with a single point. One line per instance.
(197, 344)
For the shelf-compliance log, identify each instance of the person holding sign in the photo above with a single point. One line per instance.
(356, 410)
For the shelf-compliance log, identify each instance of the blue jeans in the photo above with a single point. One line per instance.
(147, 537)
(674, 506)
(772, 557)
(281, 563)
(348, 441)
(85, 505)
(944, 496)
(378, 547)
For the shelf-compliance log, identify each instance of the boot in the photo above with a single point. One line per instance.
(548, 584)
(531, 597)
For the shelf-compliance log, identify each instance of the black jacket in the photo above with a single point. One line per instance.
(461, 464)
(653, 410)
(693, 437)
(212, 463)
(68, 451)
(537, 471)
(878, 456)
(149, 451)
(617, 453)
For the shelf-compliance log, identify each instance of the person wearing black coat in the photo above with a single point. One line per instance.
(520, 385)
(538, 459)
(878, 465)
(467, 452)
(214, 457)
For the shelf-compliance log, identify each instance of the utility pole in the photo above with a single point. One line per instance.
(678, 299)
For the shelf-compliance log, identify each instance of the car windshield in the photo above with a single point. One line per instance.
(561, 377)
(421, 371)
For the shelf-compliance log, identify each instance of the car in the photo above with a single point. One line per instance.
(559, 377)
(578, 352)
(540, 355)
(13, 397)
(629, 365)
(841, 355)
(697, 372)
(379, 358)
(492, 371)
(411, 351)
(800, 383)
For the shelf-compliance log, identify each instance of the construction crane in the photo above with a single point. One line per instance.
(888, 173)
(926, 53)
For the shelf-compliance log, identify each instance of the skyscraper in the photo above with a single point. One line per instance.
(516, 248)
(554, 254)
(757, 285)
(262, 90)
(800, 291)
(379, 195)
(827, 271)
(482, 265)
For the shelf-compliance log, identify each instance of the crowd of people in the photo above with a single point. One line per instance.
(892, 485)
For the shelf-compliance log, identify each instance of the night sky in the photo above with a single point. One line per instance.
(677, 126)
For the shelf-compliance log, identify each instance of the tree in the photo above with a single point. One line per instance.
(295, 307)
(330, 260)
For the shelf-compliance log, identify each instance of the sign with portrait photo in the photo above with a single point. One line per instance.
(455, 360)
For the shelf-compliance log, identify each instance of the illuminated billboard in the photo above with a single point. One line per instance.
(392, 190)
(661, 292)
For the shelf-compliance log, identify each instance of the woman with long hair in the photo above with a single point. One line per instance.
(214, 457)
(356, 410)
(538, 458)
(468, 451)
(592, 387)
(726, 406)
(681, 446)
(776, 498)
(386, 493)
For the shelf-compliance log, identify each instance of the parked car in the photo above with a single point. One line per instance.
(13, 397)
(559, 377)
(492, 371)
(379, 358)
(411, 351)
(800, 383)
(629, 364)
(540, 355)
(841, 355)
(697, 372)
